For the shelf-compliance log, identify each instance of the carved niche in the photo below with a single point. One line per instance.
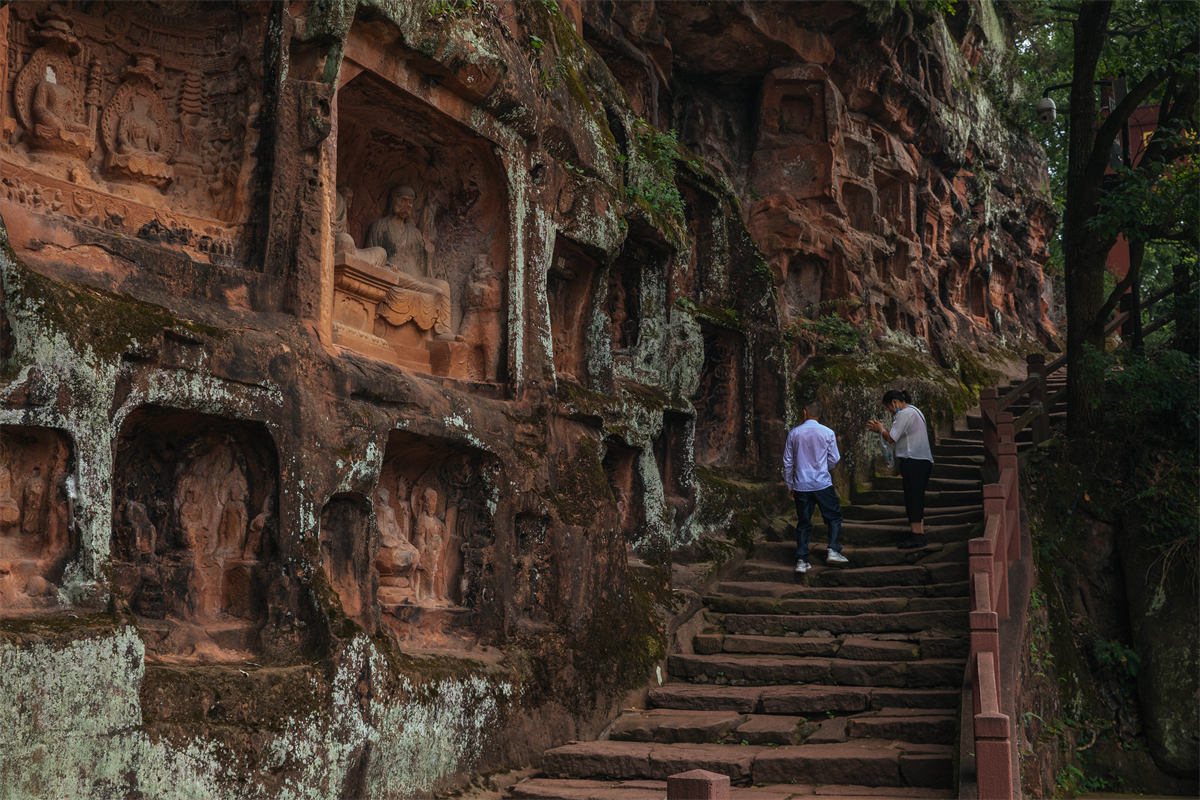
(420, 236)
(570, 289)
(720, 423)
(345, 552)
(676, 466)
(137, 118)
(430, 509)
(620, 467)
(37, 535)
(195, 535)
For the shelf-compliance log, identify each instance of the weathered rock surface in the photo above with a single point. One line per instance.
(362, 364)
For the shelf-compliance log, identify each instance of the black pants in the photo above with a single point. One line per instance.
(914, 474)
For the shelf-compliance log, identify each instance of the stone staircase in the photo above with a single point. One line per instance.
(843, 682)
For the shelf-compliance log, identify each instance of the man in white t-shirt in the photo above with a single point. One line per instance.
(810, 452)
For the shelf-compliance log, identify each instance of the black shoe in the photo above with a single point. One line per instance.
(913, 542)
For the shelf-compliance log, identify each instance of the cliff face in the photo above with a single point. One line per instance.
(870, 160)
(364, 364)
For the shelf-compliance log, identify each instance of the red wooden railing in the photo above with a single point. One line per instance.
(989, 557)
(996, 555)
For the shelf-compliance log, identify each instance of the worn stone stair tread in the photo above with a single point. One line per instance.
(904, 622)
(626, 760)
(943, 514)
(862, 605)
(872, 762)
(802, 699)
(891, 575)
(773, 729)
(934, 500)
(709, 644)
(926, 673)
(894, 647)
(672, 725)
(582, 789)
(865, 761)
(791, 589)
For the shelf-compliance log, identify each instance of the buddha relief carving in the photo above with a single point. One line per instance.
(139, 135)
(397, 557)
(35, 518)
(415, 296)
(48, 94)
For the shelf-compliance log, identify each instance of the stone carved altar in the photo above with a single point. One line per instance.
(35, 518)
(193, 537)
(125, 117)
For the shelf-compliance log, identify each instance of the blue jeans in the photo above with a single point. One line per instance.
(831, 510)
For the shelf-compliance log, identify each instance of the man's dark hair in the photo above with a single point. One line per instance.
(812, 405)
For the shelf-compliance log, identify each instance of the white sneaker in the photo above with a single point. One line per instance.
(834, 557)
(802, 565)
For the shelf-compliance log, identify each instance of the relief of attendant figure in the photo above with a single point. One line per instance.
(417, 296)
(430, 540)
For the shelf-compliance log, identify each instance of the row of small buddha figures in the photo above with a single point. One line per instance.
(134, 126)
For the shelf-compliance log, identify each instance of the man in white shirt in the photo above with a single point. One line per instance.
(811, 451)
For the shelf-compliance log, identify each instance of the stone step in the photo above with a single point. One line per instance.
(850, 575)
(968, 469)
(735, 668)
(933, 499)
(793, 589)
(876, 546)
(888, 647)
(944, 515)
(946, 622)
(935, 484)
(950, 448)
(807, 699)
(733, 604)
(873, 533)
(671, 726)
(870, 762)
(581, 789)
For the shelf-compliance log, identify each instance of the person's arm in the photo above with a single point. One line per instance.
(899, 426)
(832, 456)
(789, 461)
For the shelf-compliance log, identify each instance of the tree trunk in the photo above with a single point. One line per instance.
(1085, 250)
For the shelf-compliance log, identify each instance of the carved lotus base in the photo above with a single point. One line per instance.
(149, 169)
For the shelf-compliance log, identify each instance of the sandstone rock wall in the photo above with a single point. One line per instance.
(355, 354)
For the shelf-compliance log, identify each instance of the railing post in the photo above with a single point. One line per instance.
(994, 504)
(993, 741)
(698, 784)
(1004, 429)
(987, 413)
(1035, 367)
(985, 623)
(1012, 499)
